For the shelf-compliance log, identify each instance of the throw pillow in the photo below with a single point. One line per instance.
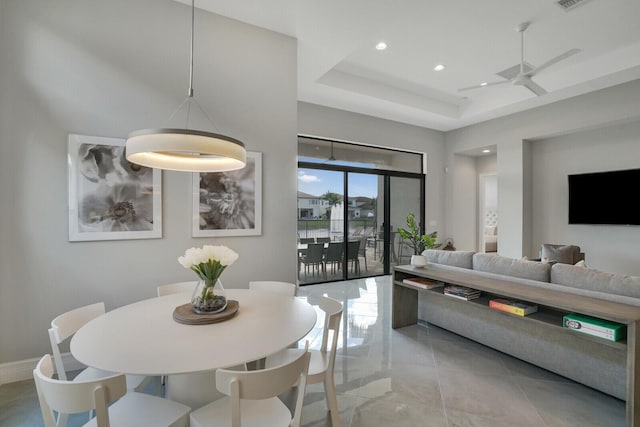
(561, 254)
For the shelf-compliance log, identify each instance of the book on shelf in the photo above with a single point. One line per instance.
(423, 282)
(513, 307)
(606, 329)
(461, 292)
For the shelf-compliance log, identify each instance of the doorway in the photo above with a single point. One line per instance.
(488, 213)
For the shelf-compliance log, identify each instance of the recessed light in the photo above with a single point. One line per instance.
(483, 84)
(486, 151)
(381, 46)
(439, 67)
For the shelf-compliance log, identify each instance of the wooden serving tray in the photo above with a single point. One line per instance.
(185, 315)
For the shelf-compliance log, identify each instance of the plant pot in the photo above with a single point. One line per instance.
(418, 261)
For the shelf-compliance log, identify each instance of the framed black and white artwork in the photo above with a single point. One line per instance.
(109, 197)
(229, 203)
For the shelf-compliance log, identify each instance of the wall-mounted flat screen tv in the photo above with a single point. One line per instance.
(605, 198)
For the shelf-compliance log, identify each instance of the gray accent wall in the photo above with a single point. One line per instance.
(105, 68)
(612, 248)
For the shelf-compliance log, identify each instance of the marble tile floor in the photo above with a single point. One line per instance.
(414, 376)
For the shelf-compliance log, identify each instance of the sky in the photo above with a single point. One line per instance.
(318, 182)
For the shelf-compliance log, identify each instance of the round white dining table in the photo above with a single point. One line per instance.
(142, 338)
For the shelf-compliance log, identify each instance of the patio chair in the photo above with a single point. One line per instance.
(362, 251)
(314, 258)
(334, 256)
(353, 249)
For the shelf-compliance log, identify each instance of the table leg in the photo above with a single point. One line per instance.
(633, 382)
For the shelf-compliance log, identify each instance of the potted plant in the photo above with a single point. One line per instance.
(417, 241)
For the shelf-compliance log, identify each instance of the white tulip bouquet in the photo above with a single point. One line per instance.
(208, 263)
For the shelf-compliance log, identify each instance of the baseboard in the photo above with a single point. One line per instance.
(23, 369)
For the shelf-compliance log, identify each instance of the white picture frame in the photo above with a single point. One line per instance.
(228, 203)
(109, 197)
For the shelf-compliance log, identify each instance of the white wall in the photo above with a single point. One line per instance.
(336, 124)
(607, 247)
(511, 134)
(106, 68)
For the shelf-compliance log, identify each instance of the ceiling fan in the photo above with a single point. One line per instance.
(523, 78)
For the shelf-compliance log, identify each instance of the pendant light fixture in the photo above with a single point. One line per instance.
(186, 149)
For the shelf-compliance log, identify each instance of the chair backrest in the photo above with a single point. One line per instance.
(334, 252)
(176, 288)
(363, 246)
(353, 247)
(67, 324)
(284, 288)
(323, 239)
(314, 253)
(332, 314)
(264, 384)
(72, 397)
(306, 240)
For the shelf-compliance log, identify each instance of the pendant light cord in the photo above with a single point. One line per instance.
(190, 95)
(193, 8)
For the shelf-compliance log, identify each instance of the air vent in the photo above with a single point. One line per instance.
(512, 72)
(568, 5)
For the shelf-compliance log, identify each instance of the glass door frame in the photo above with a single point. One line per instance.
(387, 175)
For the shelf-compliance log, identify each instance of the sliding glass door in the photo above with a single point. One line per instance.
(348, 221)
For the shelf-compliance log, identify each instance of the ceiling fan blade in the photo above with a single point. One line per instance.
(552, 61)
(481, 86)
(534, 87)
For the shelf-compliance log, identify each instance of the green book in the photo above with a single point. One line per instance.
(606, 329)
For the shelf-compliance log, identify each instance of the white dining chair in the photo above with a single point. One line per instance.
(175, 288)
(284, 288)
(130, 408)
(252, 396)
(322, 362)
(62, 328)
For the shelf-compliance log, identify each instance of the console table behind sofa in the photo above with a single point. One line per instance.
(539, 338)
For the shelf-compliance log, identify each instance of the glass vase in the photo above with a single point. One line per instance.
(208, 297)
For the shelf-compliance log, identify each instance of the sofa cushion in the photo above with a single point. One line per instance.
(567, 254)
(462, 259)
(512, 267)
(595, 280)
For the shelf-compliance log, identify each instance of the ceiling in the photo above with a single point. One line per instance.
(339, 67)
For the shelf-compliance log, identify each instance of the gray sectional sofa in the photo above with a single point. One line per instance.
(598, 365)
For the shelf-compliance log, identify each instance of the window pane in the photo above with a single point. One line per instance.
(345, 154)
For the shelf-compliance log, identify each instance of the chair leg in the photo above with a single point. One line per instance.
(63, 419)
(332, 400)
